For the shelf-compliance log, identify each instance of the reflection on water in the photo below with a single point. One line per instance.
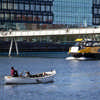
(10, 89)
(75, 80)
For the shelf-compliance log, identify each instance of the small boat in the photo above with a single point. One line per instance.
(37, 78)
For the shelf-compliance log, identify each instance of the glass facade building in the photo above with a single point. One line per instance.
(96, 12)
(26, 11)
(73, 12)
(28, 14)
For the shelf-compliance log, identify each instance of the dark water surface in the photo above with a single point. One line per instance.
(75, 80)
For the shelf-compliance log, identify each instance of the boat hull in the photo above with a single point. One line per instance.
(22, 80)
(87, 55)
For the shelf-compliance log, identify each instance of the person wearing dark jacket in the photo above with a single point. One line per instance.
(14, 72)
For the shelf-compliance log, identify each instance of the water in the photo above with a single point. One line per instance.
(36, 54)
(75, 80)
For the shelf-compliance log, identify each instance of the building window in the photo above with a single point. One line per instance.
(95, 10)
(40, 17)
(97, 20)
(29, 18)
(7, 16)
(37, 7)
(21, 6)
(48, 8)
(26, 7)
(12, 17)
(98, 1)
(42, 8)
(32, 7)
(10, 6)
(1, 16)
(16, 6)
(18, 16)
(4, 5)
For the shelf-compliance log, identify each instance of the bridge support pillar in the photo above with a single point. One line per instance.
(11, 44)
(16, 46)
(10, 49)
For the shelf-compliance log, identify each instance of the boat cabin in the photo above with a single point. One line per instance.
(88, 43)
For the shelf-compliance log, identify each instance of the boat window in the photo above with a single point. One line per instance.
(96, 44)
(84, 43)
(77, 43)
(88, 44)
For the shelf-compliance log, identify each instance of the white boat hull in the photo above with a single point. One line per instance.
(28, 80)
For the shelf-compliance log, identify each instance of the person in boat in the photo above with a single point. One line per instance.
(27, 74)
(14, 72)
(44, 73)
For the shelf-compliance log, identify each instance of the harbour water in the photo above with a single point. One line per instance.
(75, 80)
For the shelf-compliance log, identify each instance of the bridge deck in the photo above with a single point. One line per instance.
(50, 32)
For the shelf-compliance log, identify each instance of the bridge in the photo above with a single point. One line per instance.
(48, 32)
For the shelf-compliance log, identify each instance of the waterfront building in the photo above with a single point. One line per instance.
(25, 11)
(32, 14)
(96, 12)
(73, 12)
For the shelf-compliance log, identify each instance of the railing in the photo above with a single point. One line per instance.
(50, 32)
